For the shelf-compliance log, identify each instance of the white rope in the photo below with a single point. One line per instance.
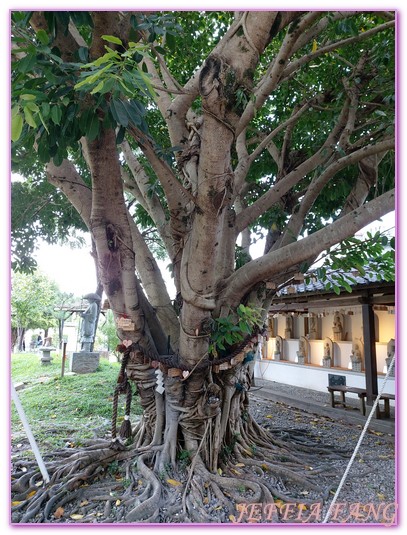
(30, 435)
(362, 435)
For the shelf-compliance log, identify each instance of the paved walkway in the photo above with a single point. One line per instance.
(319, 403)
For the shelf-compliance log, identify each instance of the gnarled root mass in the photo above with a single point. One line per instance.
(258, 478)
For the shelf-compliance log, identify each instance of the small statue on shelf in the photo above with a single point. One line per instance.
(338, 327)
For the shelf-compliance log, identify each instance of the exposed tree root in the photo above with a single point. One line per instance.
(106, 484)
(195, 456)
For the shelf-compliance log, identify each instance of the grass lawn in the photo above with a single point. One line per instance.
(61, 410)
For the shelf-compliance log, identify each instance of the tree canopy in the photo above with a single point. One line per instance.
(193, 134)
(33, 301)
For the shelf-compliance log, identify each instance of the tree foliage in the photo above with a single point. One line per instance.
(33, 300)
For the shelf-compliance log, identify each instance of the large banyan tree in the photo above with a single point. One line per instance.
(196, 134)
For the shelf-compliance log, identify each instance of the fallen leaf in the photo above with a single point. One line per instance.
(220, 471)
(118, 502)
(269, 416)
(174, 482)
(76, 517)
(85, 502)
(265, 467)
(232, 518)
(206, 500)
(31, 494)
(140, 482)
(39, 483)
(59, 512)
(381, 496)
(240, 465)
(302, 507)
(15, 503)
(278, 503)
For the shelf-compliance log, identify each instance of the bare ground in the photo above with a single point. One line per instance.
(367, 497)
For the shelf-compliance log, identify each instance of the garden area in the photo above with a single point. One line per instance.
(61, 410)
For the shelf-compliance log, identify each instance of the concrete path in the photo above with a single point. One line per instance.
(319, 403)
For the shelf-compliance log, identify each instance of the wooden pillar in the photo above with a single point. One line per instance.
(370, 352)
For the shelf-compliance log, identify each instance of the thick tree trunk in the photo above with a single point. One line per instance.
(20, 339)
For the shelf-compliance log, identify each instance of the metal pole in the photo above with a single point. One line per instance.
(29, 433)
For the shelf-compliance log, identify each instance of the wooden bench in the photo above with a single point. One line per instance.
(386, 398)
(361, 393)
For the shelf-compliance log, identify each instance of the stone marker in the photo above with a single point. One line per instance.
(83, 362)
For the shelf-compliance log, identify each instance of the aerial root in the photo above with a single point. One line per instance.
(146, 509)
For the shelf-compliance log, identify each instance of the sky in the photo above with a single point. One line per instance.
(74, 269)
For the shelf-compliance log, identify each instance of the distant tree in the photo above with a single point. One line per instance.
(108, 331)
(33, 299)
(62, 313)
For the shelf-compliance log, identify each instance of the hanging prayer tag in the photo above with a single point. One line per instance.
(125, 324)
(160, 381)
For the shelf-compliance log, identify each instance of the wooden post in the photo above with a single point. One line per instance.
(63, 359)
(370, 352)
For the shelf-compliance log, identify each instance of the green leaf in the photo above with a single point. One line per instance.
(45, 109)
(83, 53)
(43, 122)
(92, 130)
(42, 37)
(29, 118)
(17, 122)
(102, 59)
(28, 96)
(147, 83)
(56, 115)
(119, 112)
(32, 106)
(112, 39)
(133, 113)
(98, 87)
(120, 135)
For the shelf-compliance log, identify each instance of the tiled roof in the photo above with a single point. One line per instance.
(316, 285)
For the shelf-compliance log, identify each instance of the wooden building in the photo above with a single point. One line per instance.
(315, 334)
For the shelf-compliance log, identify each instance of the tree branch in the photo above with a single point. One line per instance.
(317, 185)
(295, 65)
(151, 203)
(66, 178)
(275, 193)
(272, 77)
(264, 268)
(154, 285)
